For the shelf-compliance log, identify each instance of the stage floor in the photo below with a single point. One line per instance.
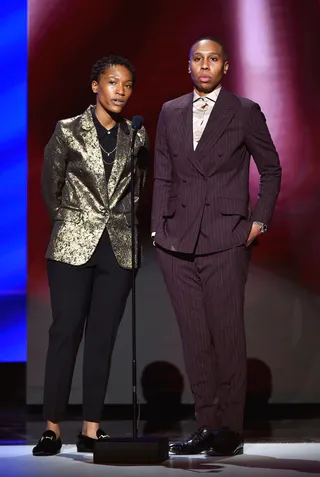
(266, 459)
(273, 448)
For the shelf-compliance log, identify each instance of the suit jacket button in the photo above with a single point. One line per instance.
(205, 179)
(207, 204)
(183, 205)
(184, 181)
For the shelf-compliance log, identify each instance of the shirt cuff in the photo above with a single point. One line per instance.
(262, 226)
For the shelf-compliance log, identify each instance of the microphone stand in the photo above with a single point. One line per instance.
(133, 292)
(135, 450)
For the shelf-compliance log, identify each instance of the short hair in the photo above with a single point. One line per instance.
(112, 60)
(215, 40)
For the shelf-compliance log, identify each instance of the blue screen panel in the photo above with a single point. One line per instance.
(13, 180)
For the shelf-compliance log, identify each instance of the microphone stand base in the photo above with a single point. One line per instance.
(142, 450)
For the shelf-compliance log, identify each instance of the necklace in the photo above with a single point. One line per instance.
(108, 153)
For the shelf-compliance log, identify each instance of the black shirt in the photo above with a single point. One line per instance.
(108, 142)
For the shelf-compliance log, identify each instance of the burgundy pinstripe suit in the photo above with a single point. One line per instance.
(202, 217)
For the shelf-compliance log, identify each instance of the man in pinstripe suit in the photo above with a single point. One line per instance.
(203, 226)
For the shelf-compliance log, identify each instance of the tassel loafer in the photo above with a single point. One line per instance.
(86, 443)
(49, 444)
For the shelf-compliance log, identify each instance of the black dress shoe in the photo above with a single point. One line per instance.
(48, 444)
(86, 444)
(226, 442)
(200, 441)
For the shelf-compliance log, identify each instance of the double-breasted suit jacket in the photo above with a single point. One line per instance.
(201, 197)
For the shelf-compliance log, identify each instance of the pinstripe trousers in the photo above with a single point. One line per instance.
(207, 294)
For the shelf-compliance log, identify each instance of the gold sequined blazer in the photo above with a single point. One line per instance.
(79, 200)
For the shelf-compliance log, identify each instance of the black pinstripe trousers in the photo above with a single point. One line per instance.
(207, 293)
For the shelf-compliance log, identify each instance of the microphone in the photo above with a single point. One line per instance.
(137, 122)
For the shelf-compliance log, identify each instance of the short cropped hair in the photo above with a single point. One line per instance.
(215, 40)
(106, 62)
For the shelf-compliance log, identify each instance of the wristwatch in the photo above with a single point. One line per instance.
(263, 227)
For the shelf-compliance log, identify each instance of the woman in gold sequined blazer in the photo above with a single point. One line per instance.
(86, 189)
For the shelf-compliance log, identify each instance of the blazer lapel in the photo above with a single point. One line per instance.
(95, 156)
(184, 122)
(121, 157)
(219, 119)
(92, 148)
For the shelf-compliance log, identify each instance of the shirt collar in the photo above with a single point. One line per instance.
(101, 130)
(213, 95)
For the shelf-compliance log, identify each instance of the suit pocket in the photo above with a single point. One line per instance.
(171, 207)
(68, 215)
(229, 206)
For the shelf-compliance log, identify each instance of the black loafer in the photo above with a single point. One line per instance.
(200, 441)
(226, 443)
(49, 444)
(86, 444)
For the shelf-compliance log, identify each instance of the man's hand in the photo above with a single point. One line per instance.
(255, 231)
